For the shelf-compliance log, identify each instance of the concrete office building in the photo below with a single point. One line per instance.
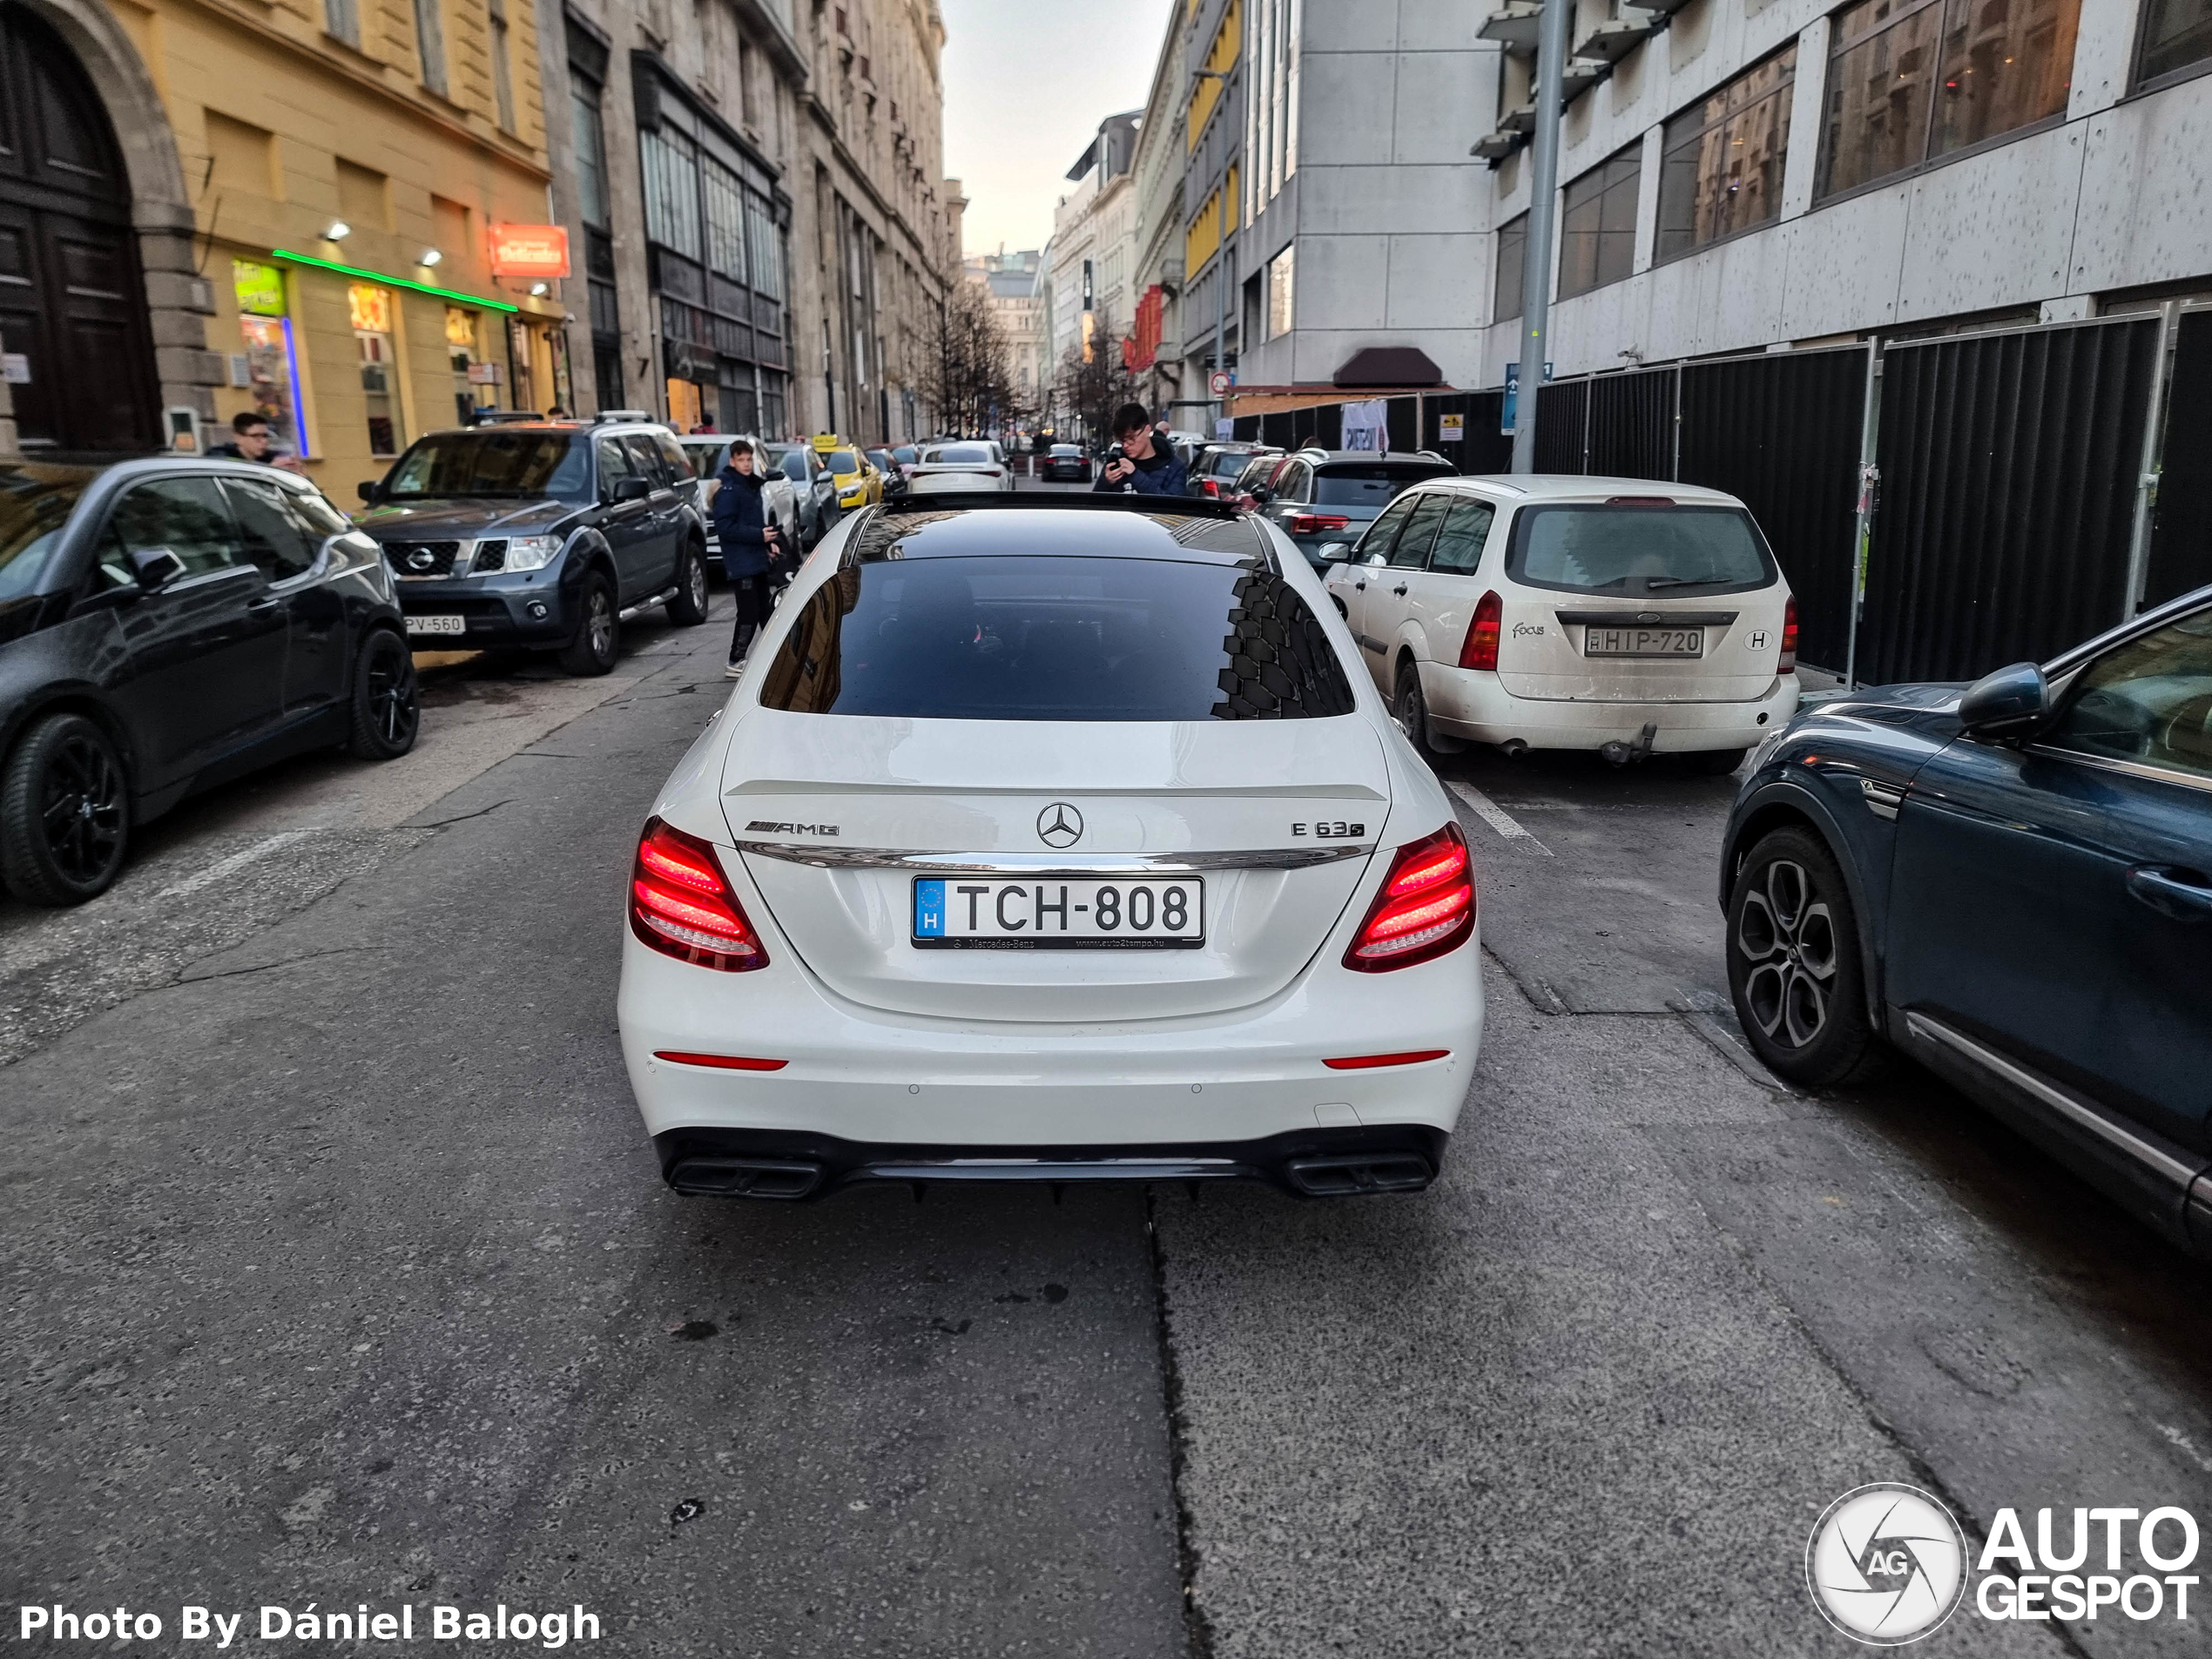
(1156, 332)
(1094, 229)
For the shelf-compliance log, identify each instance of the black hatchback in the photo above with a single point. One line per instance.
(543, 536)
(166, 624)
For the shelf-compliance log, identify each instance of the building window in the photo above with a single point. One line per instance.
(1911, 83)
(502, 67)
(1721, 170)
(1512, 263)
(1512, 268)
(2177, 36)
(1280, 270)
(1271, 113)
(1597, 226)
(370, 309)
(342, 20)
(672, 167)
(430, 44)
(724, 221)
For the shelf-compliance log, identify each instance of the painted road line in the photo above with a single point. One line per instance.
(238, 861)
(1497, 817)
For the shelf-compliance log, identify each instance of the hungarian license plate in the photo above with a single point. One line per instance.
(1060, 912)
(437, 625)
(1643, 641)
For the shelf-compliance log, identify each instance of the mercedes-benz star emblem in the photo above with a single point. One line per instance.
(1060, 824)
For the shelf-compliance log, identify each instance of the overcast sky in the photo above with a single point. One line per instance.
(1027, 83)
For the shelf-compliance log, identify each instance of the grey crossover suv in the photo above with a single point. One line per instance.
(543, 536)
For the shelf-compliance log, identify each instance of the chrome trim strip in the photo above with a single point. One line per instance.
(1152, 1169)
(2145, 1152)
(1636, 618)
(2129, 768)
(1077, 864)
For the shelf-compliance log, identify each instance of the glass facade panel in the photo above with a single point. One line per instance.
(1912, 80)
(2176, 35)
(1722, 161)
(671, 169)
(1598, 224)
(1513, 258)
(724, 221)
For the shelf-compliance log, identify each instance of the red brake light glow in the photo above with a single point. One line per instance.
(719, 1061)
(1479, 648)
(1425, 909)
(1789, 661)
(681, 904)
(1366, 1062)
(1313, 523)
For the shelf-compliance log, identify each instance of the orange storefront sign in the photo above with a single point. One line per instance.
(529, 251)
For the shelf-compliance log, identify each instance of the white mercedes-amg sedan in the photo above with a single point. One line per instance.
(1052, 839)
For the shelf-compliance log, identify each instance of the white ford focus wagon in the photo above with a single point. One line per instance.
(1619, 615)
(1051, 839)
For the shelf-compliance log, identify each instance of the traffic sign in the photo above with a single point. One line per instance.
(1221, 382)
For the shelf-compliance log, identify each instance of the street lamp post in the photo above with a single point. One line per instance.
(1220, 266)
(1536, 270)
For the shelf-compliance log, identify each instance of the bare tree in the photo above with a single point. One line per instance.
(969, 376)
(1092, 390)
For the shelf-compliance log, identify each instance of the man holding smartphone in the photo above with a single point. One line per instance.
(1148, 465)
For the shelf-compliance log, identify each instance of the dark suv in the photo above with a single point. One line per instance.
(543, 536)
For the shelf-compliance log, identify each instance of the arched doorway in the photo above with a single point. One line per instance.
(72, 299)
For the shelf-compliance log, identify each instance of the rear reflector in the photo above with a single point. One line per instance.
(1426, 908)
(681, 904)
(1364, 1062)
(1479, 648)
(729, 1061)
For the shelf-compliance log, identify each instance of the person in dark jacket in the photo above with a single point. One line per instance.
(748, 542)
(1148, 464)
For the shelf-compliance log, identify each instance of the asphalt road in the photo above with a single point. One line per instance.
(338, 1271)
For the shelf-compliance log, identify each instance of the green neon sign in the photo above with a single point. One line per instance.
(397, 282)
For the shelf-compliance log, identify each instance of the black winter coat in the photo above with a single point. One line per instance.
(740, 516)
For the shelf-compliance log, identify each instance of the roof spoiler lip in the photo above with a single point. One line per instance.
(963, 500)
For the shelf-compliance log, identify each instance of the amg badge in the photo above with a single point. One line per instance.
(762, 827)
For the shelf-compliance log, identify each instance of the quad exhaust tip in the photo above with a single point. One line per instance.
(1344, 1178)
(745, 1179)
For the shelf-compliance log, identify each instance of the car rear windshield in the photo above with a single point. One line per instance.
(1635, 549)
(1065, 449)
(1228, 463)
(493, 464)
(960, 455)
(792, 462)
(841, 460)
(35, 504)
(1026, 637)
(1374, 485)
(904, 455)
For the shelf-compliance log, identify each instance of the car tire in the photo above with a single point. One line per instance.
(1794, 968)
(64, 813)
(386, 703)
(598, 630)
(1409, 708)
(688, 608)
(1714, 763)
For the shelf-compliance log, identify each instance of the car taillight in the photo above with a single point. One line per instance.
(1314, 523)
(1426, 908)
(1789, 661)
(681, 904)
(1209, 486)
(1479, 648)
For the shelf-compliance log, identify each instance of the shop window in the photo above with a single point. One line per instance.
(1597, 241)
(1911, 83)
(2177, 39)
(472, 379)
(1512, 263)
(1721, 166)
(1281, 270)
(370, 308)
(272, 364)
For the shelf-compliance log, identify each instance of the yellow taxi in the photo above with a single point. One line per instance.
(858, 484)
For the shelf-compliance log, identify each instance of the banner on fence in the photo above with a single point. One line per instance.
(1367, 426)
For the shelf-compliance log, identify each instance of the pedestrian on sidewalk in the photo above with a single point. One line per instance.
(748, 540)
(251, 440)
(1148, 464)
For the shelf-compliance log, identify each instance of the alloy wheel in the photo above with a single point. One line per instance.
(696, 577)
(391, 694)
(1787, 935)
(599, 624)
(81, 816)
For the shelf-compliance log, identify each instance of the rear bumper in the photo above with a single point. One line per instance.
(797, 1166)
(1465, 702)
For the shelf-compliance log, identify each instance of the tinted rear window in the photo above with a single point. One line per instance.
(1026, 637)
(1065, 449)
(960, 454)
(1373, 487)
(1629, 550)
(842, 460)
(1228, 465)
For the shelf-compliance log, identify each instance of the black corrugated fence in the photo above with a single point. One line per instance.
(2180, 542)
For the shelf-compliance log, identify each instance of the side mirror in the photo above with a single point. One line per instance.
(157, 567)
(1261, 497)
(1334, 552)
(632, 489)
(2008, 703)
(368, 488)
